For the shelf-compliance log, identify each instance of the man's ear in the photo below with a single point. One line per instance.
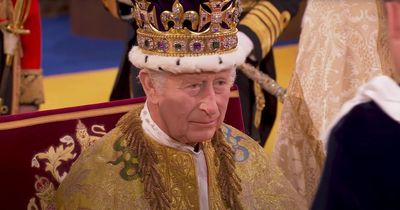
(148, 86)
(393, 18)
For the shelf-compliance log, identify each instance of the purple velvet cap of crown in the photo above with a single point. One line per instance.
(166, 5)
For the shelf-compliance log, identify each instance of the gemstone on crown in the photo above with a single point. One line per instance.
(179, 46)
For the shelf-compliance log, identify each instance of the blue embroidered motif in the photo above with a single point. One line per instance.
(241, 153)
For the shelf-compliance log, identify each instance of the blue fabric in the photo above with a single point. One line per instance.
(64, 52)
(362, 167)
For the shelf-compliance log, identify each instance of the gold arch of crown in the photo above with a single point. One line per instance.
(206, 37)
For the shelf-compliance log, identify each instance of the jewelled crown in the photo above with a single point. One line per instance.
(186, 27)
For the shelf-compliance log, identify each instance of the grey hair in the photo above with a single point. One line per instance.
(232, 76)
(158, 80)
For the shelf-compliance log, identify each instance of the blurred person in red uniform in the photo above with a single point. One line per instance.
(21, 75)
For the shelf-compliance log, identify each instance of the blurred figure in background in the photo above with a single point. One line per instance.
(361, 170)
(21, 85)
(261, 24)
(343, 44)
(54, 7)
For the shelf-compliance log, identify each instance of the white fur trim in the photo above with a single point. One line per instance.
(190, 64)
(245, 43)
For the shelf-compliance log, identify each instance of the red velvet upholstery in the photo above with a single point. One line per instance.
(36, 149)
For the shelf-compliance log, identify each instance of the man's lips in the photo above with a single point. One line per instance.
(205, 123)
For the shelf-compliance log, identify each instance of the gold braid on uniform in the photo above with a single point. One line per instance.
(228, 180)
(155, 190)
(267, 23)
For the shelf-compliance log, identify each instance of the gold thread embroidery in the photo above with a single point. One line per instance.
(228, 180)
(155, 190)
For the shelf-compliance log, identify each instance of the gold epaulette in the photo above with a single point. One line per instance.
(265, 20)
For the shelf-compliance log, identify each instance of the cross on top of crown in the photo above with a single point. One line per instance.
(144, 18)
(229, 15)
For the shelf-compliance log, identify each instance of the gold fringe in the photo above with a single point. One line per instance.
(138, 143)
(228, 180)
(302, 116)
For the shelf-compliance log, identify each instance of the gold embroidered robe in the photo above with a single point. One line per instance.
(110, 176)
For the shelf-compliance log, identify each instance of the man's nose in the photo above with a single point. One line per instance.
(209, 102)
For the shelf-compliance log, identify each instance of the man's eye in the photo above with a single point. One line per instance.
(194, 86)
(193, 89)
(220, 82)
(221, 86)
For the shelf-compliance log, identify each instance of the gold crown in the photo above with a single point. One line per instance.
(209, 33)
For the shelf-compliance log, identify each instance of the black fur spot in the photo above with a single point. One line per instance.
(178, 62)
(220, 60)
(146, 58)
(161, 69)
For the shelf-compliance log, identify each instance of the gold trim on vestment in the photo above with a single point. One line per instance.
(143, 160)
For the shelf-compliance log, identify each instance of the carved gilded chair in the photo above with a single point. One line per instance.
(38, 149)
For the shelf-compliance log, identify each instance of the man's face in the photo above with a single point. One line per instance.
(191, 107)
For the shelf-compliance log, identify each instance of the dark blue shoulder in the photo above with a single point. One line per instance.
(366, 125)
(292, 6)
